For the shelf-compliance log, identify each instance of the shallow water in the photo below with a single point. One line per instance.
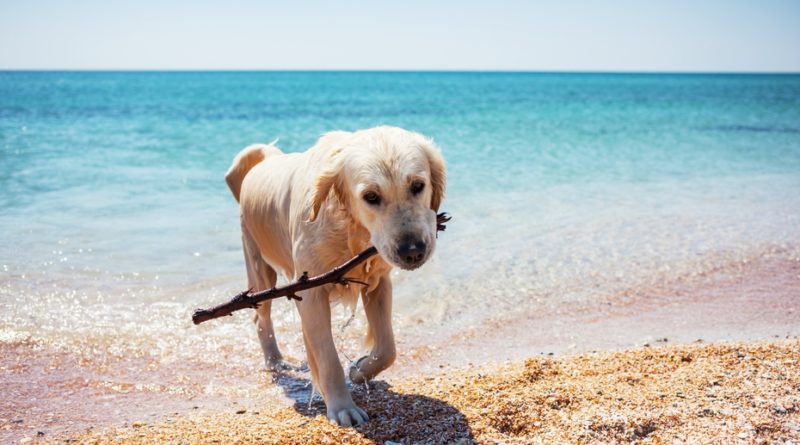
(566, 189)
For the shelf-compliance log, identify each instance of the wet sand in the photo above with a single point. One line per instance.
(55, 394)
(751, 301)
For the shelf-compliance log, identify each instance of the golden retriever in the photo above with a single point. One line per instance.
(311, 211)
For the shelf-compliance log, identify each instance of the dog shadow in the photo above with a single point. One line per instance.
(394, 417)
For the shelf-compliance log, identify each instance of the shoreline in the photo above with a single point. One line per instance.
(756, 302)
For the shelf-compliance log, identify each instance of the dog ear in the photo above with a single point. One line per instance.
(438, 174)
(331, 178)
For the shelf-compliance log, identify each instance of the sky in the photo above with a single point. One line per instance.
(566, 35)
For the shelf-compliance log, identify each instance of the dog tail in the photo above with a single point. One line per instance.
(245, 161)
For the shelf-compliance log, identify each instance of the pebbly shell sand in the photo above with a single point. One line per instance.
(699, 393)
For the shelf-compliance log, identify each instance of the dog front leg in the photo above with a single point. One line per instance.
(326, 370)
(378, 306)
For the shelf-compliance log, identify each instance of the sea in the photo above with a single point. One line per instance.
(564, 188)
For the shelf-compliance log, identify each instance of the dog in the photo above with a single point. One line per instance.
(312, 211)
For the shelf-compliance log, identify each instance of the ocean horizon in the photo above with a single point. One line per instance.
(400, 71)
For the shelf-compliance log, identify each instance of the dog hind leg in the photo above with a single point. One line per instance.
(261, 276)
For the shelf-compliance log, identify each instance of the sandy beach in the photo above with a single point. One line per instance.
(740, 392)
(677, 378)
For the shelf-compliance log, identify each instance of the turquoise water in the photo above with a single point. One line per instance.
(563, 187)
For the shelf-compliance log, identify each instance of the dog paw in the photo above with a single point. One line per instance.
(348, 415)
(277, 365)
(369, 366)
(355, 373)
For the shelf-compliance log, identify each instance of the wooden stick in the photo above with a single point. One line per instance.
(336, 275)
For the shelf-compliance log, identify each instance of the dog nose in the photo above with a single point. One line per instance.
(412, 252)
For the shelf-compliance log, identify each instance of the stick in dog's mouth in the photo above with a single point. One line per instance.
(336, 275)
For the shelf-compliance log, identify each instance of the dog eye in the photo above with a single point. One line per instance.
(417, 187)
(372, 198)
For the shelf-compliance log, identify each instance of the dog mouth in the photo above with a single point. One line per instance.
(409, 266)
(408, 254)
(405, 265)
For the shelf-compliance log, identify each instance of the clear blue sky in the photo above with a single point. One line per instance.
(618, 35)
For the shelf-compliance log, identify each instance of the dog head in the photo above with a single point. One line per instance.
(391, 181)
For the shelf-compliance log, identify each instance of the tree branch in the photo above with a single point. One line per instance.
(336, 275)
